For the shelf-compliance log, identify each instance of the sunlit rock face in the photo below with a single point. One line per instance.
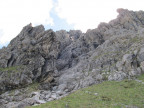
(60, 62)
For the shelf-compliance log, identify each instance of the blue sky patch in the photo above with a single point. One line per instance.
(59, 23)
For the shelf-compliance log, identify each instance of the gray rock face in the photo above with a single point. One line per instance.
(61, 62)
(29, 57)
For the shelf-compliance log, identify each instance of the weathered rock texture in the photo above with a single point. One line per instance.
(60, 62)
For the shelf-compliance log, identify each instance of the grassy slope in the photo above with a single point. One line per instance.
(111, 94)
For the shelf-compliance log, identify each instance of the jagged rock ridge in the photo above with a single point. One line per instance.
(62, 61)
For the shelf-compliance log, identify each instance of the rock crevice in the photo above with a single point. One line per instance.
(57, 63)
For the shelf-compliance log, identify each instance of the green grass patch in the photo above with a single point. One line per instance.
(33, 87)
(136, 39)
(141, 77)
(110, 94)
(26, 90)
(12, 68)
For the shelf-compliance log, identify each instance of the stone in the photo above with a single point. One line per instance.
(53, 96)
(44, 95)
(119, 65)
(47, 96)
(127, 58)
(128, 106)
(50, 99)
(57, 63)
(118, 76)
(99, 77)
(60, 93)
(95, 94)
(41, 101)
(54, 88)
(140, 56)
(62, 87)
(142, 66)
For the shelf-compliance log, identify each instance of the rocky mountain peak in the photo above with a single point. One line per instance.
(129, 19)
(60, 62)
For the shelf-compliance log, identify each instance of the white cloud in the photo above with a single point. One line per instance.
(14, 14)
(87, 14)
(84, 14)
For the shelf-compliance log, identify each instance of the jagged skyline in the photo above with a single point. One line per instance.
(41, 65)
(58, 14)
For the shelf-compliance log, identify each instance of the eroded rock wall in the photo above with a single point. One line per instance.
(60, 62)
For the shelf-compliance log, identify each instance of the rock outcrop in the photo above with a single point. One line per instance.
(60, 62)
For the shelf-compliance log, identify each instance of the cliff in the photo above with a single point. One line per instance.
(61, 62)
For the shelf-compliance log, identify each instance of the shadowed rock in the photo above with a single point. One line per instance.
(62, 61)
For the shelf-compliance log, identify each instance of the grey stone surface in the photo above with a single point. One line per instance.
(61, 62)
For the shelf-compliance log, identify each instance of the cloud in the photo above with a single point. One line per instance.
(82, 14)
(14, 14)
(87, 14)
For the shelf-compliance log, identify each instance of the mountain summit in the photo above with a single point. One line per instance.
(57, 63)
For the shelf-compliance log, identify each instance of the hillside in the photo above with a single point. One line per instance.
(42, 65)
(109, 94)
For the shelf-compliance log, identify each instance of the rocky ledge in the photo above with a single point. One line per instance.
(42, 65)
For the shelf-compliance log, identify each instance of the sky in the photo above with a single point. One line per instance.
(58, 14)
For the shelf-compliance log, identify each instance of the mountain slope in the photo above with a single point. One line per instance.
(109, 94)
(58, 63)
